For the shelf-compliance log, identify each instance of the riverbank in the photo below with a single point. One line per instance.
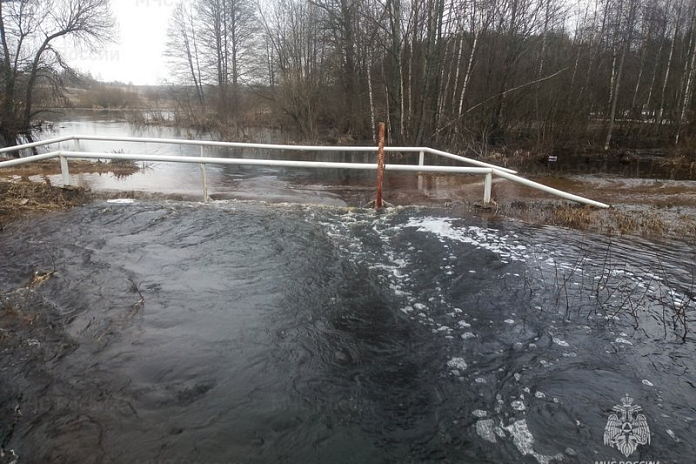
(655, 208)
(22, 198)
(27, 189)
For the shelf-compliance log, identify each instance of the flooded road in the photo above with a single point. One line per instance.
(243, 332)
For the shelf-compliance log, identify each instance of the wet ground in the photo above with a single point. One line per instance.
(244, 332)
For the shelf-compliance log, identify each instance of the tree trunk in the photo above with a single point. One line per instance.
(615, 92)
(660, 113)
(690, 69)
(8, 130)
(395, 86)
(373, 119)
(658, 59)
(457, 67)
(467, 75)
(647, 32)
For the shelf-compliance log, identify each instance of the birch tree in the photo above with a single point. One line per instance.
(627, 30)
(665, 81)
(688, 78)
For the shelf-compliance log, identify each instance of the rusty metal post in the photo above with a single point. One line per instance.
(380, 165)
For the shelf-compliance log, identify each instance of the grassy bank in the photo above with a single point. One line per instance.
(643, 220)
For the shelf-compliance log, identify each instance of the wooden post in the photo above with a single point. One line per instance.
(380, 165)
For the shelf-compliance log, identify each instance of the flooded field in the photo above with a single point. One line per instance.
(254, 333)
(648, 184)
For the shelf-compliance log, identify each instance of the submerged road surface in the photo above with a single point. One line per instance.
(250, 333)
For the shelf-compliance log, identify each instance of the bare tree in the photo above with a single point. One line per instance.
(395, 81)
(298, 55)
(688, 77)
(472, 73)
(665, 81)
(183, 49)
(341, 19)
(658, 55)
(29, 32)
(227, 29)
(625, 28)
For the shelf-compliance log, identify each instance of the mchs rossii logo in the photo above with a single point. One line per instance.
(626, 428)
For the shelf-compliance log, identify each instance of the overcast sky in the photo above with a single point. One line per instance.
(137, 52)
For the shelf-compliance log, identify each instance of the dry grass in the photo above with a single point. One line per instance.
(19, 199)
(643, 220)
(20, 196)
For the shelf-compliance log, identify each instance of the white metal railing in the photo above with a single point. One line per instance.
(489, 170)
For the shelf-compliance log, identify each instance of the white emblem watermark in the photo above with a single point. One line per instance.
(626, 429)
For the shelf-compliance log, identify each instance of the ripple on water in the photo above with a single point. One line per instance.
(345, 322)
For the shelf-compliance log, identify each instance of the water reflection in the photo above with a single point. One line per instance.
(327, 186)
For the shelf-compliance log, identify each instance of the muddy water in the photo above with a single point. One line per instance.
(250, 333)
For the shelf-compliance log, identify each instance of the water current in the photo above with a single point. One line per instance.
(246, 332)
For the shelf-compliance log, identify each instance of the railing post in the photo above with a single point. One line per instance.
(487, 188)
(77, 145)
(64, 170)
(204, 176)
(380, 165)
(421, 158)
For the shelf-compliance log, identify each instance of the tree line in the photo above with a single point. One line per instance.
(456, 73)
(461, 74)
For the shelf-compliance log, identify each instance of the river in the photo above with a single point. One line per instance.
(251, 332)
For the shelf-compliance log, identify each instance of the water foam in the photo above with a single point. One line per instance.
(481, 238)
